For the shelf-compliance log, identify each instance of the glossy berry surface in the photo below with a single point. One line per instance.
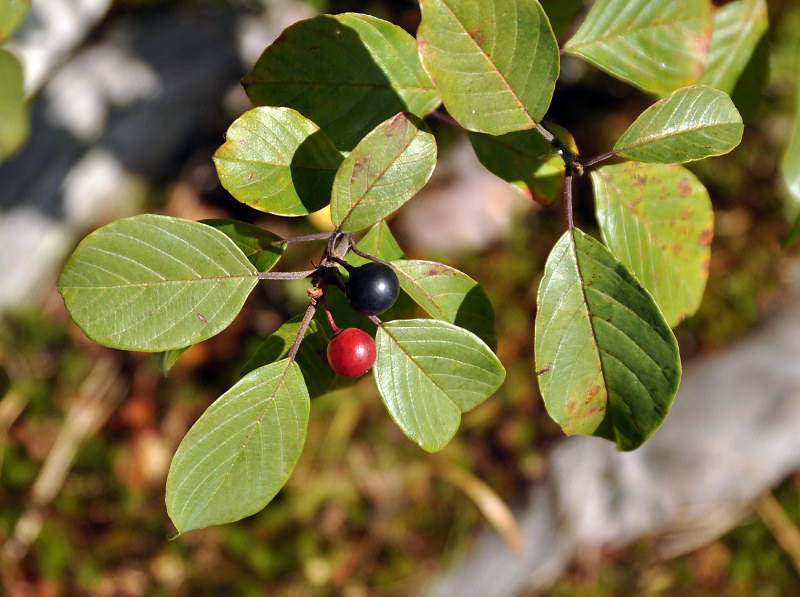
(372, 288)
(351, 352)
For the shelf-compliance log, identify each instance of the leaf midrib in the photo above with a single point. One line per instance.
(494, 65)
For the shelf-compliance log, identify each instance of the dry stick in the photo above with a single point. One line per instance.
(780, 525)
(97, 398)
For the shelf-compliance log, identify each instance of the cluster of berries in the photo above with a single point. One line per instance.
(370, 290)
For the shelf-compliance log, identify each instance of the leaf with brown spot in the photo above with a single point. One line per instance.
(657, 45)
(386, 169)
(449, 295)
(609, 362)
(672, 210)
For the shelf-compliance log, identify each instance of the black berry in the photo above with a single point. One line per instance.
(351, 352)
(372, 288)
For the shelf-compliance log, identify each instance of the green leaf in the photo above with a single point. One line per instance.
(428, 372)
(561, 13)
(738, 28)
(347, 73)
(262, 248)
(448, 295)
(657, 219)
(525, 160)
(276, 160)
(155, 283)
(790, 164)
(657, 45)
(311, 356)
(168, 358)
(14, 125)
(692, 123)
(386, 169)
(608, 364)
(495, 62)
(11, 14)
(378, 242)
(240, 453)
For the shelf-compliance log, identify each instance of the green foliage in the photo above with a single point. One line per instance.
(348, 65)
(691, 124)
(13, 111)
(386, 169)
(448, 295)
(310, 356)
(241, 451)
(262, 248)
(526, 160)
(607, 362)
(339, 124)
(738, 28)
(495, 62)
(12, 12)
(657, 219)
(429, 372)
(278, 161)
(657, 45)
(790, 165)
(155, 283)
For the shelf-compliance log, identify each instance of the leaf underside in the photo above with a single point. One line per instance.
(495, 62)
(386, 169)
(657, 219)
(239, 454)
(657, 45)
(311, 356)
(738, 28)
(691, 124)
(448, 295)
(155, 283)
(607, 362)
(276, 160)
(428, 372)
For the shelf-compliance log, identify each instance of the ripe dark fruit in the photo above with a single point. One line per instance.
(351, 352)
(372, 288)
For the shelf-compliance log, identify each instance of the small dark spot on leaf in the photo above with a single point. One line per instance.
(684, 188)
(202, 319)
(250, 176)
(639, 180)
(436, 270)
(706, 236)
(542, 371)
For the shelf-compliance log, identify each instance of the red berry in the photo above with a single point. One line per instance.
(351, 352)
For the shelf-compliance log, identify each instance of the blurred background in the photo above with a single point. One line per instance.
(129, 99)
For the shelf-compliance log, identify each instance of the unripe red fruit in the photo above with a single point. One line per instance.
(351, 352)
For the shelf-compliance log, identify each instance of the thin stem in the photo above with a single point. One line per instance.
(307, 237)
(568, 198)
(374, 319)
(301, 331)
(569, 157)
(285, 275)
(361, 253)
(599, 158)
(335, 329)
